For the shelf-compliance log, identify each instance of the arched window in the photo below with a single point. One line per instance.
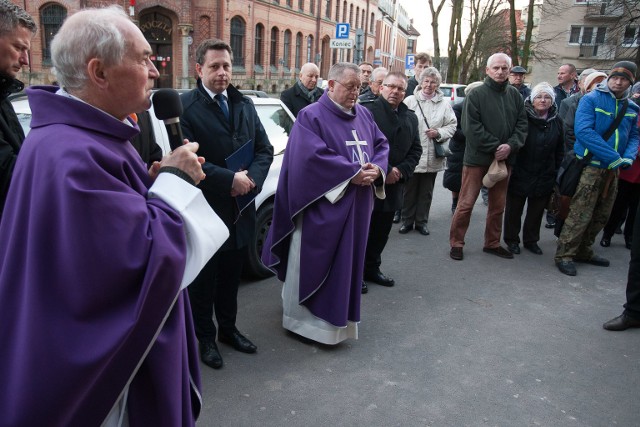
(312, 7)
(258, 50)
(357, 16)
(51, 18)
(309, 48)
(286, 55)
(363, 20)
(327, 10)
(372, 25)
(337, 10)
(273, 56)
(351, 14)
(238, 30)
(301, 5)
(344, 12)
(298, 57)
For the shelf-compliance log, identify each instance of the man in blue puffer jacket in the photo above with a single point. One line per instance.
(596, 191)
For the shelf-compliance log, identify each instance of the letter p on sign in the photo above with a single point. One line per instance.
(342, 31)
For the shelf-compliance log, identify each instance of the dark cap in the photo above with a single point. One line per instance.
(626, 69)
(518, 70)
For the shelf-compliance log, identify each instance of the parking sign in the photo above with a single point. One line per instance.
(409, 61)
(342, 30)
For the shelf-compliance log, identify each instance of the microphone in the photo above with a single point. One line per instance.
(168, 108)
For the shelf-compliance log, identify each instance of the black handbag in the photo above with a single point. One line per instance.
(438, 148)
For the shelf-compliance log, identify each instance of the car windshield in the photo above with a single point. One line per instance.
(25, 121)
(277, 123)
(446, 91)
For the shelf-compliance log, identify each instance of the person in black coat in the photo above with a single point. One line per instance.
(221, 120)
(452, 178)
(145, 142)
(17, 28)
(400, 126)
(304, 92)
(534, 173)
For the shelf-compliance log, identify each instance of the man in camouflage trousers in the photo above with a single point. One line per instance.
(591, 205)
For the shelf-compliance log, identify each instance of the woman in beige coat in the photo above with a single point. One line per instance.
(437, 122)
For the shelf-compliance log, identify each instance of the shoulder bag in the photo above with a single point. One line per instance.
(440, 148)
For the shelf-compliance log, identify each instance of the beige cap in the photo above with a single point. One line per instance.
(497, 172)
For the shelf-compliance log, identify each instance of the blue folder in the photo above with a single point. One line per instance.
(240, 160)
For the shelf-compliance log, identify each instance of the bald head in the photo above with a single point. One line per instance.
(309, 74)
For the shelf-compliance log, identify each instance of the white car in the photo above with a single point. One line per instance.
(277, 121)
(453, 92)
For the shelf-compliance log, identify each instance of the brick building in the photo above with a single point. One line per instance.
(270, 39)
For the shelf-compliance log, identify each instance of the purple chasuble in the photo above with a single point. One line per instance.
(322, 154)
(90, 297)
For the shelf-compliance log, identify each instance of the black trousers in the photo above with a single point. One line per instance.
(379, 229)
(626, 204)
(513, 218)
(216, 287)
(632, 307)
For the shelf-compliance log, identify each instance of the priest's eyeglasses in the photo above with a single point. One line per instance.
(350, 88)
(395, 87)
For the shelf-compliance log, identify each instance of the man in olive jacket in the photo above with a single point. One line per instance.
(221, 120)
(495, 125)
(400, 126)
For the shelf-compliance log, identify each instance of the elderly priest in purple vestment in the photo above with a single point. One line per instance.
(96, 250)
(334, 165)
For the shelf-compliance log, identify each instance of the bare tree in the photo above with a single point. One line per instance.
(435, 13)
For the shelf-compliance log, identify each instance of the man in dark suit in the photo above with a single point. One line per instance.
(400, 126)
(222, 120)
(305, 91)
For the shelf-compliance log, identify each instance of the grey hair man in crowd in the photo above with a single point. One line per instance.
(495, 124)
(375, 83)
(17, 28)
(304, 92)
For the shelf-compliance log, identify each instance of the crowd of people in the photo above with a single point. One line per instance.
(117, 259)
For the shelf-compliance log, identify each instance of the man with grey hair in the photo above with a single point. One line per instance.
(335, 162)
(495, 125)
(16, 31)
(304, 92)
(97, 249)
(372, 92)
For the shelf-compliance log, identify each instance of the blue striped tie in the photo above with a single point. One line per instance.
(222, 101)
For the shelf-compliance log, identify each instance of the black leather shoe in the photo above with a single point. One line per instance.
(514, 248)
(621, 323)
(210, 355)
(567, 267)
(550, 225)
(499, 251)
(365, 289)
(238, 341)
(595, 260)
(422, 229)
(379, 278)
(533, 247)
(605, 242)
(405, 229)
(396, 217)
(456, 253)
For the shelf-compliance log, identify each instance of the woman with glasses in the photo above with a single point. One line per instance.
(533, 175)
(437, 123)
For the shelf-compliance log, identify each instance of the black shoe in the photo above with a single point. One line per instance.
(514, 248)
(533, 247)
(627, 243)
(210, 355)
(405, 229)
(605, 242)
(379, 278)
(236, 340)
(621, 323)
(550, 224)
(364, 288)
(567, 267)
(618, 230)
(422, 229)
(456, 253)
(499, 251)
(595, 260)
(396, 217)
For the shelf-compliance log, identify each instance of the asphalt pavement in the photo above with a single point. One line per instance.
(480, 342)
